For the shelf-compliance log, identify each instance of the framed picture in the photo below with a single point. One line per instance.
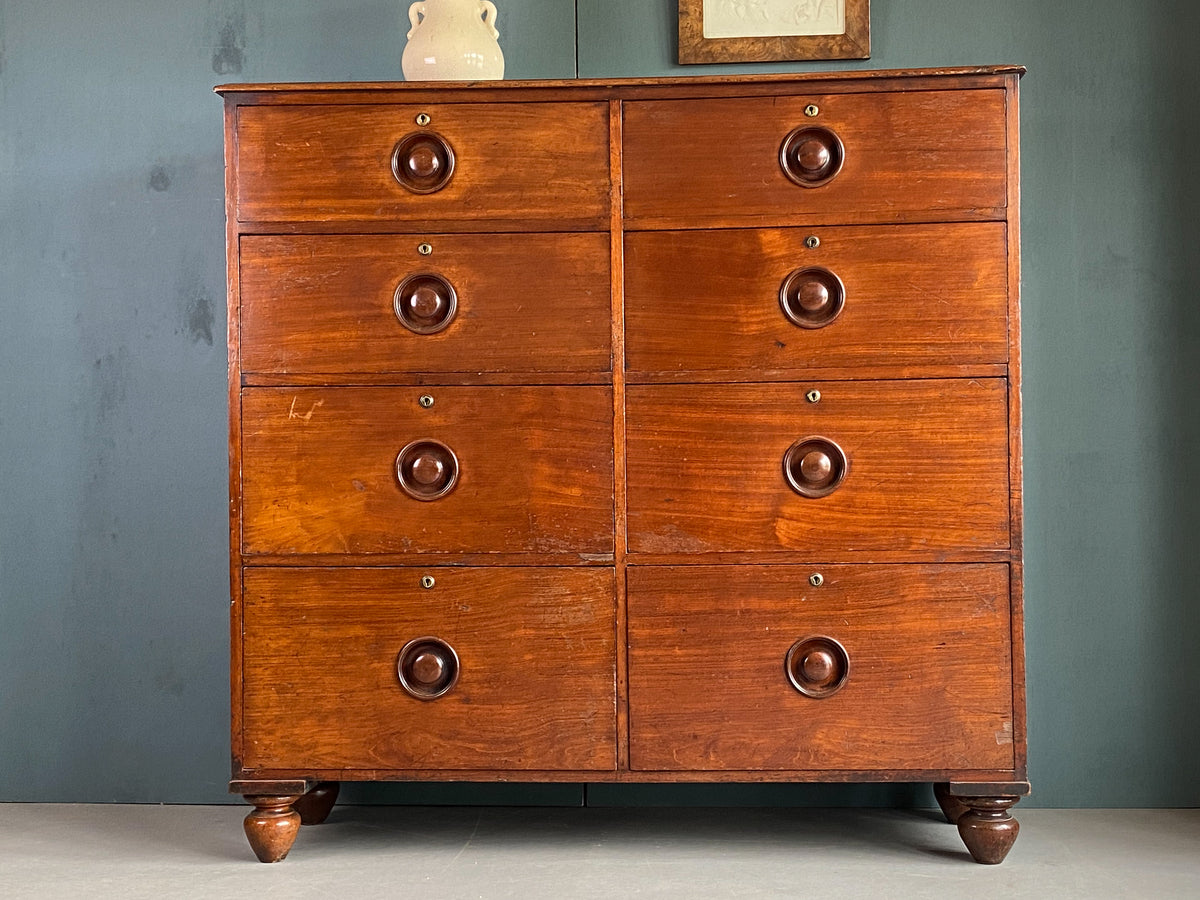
(725, 31)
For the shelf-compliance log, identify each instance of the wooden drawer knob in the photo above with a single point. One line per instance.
(812, 297)
(812, 155)
(425, 303)
(427, 667)
(815, 466)
(427, 469)
(423, 162)
(817, 666)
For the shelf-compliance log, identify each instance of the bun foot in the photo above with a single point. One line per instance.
(314, 807)
(952, 807)
(987, 828)
(271, 827)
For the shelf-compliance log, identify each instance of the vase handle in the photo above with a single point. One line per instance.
(489, 15)
(416, 13)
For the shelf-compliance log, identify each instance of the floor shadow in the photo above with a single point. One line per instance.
(447, 829)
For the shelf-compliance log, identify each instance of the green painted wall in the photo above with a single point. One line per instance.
(112, 476)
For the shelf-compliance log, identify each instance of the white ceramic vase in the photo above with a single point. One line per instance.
(452, 40)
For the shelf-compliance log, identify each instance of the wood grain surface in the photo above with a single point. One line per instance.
(928, 466)
(535, 688)
(525, 302)
(923, 150)
(513, 160)
(929, 684)
(915, 295)
(536, 471)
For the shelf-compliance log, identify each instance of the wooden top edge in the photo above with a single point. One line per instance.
(583, 83)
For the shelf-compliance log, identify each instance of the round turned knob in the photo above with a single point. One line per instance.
(427, 470)
(425, 303)
(812, 297)
(427, 667)
(423, 162)
(812, 155)
(817, 666)
(815, 466)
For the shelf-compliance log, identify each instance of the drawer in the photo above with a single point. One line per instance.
(344, 304)
(484, 469)
(529, 669)
(923, 465)
(902, 667)
(510, 160)
(900, 296)
(899, 153)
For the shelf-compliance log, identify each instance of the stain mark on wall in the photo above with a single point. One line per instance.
(110, 377)
(196, 303)
(160, 179)
(229, 54)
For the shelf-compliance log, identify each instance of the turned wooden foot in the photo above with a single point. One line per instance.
(987, 828)
(952, 807)
(272, 825)
(314, 807)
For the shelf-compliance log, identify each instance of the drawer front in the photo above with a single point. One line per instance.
(922, 465)
(911, 295)
(902, 667)
(344, 304)
(360, 470)
(533, 686)
(900, 153)
(510, 160)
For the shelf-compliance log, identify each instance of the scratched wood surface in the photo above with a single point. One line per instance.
(929, 683)
(535, 686)
(536, 471)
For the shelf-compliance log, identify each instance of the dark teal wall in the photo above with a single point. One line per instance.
(113, 592)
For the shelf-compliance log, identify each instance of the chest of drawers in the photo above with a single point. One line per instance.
(642, 430)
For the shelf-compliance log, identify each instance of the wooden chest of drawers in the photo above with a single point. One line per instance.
(645, 430)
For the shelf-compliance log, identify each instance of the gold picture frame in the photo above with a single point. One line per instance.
(769, 30)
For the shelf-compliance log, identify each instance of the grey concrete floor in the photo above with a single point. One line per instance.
(99, 851)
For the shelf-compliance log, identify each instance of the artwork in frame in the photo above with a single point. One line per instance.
(726, 31)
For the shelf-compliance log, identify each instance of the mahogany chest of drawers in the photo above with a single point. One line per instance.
(641, 430)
